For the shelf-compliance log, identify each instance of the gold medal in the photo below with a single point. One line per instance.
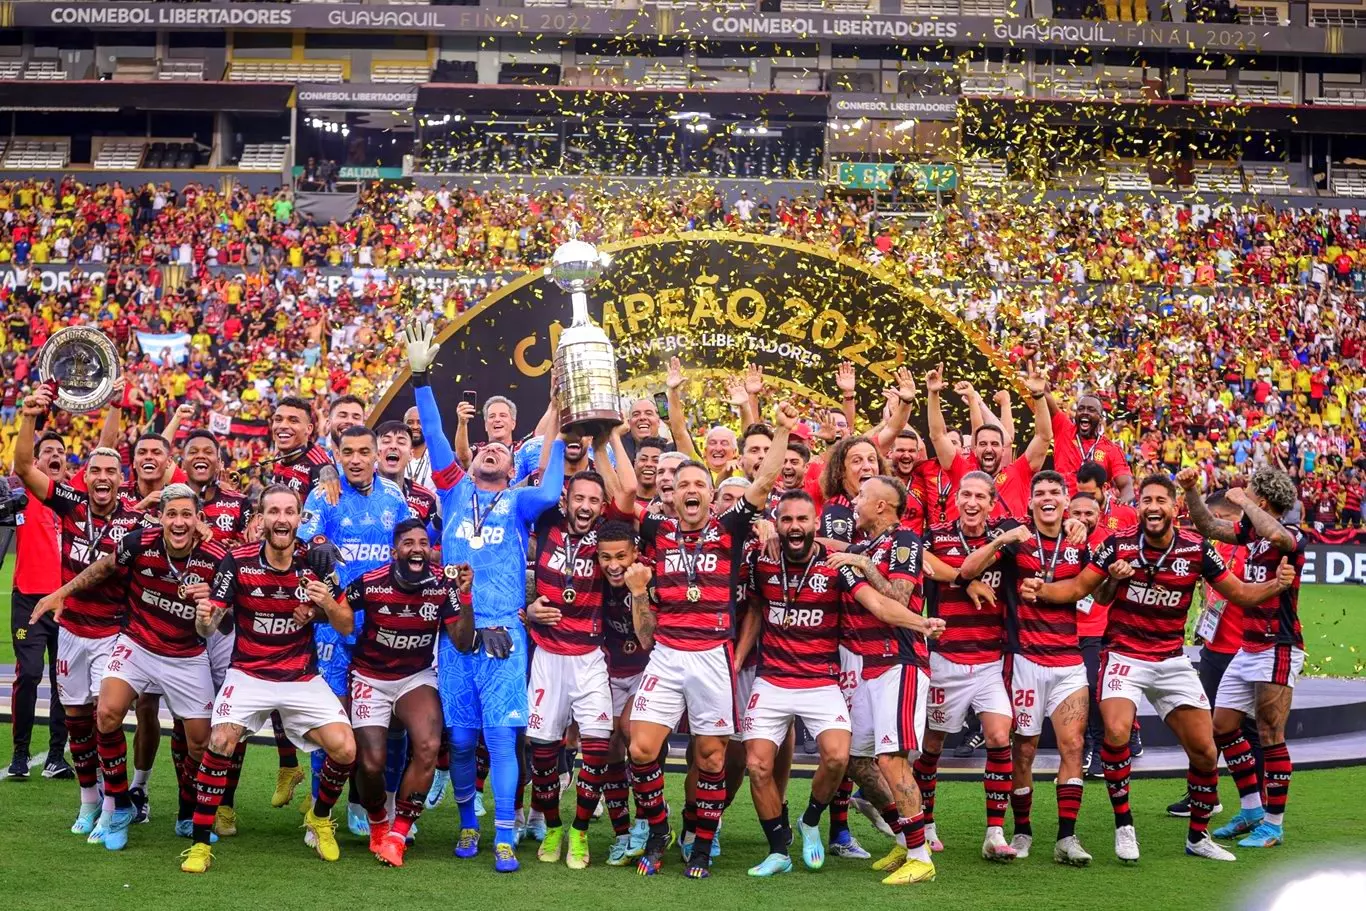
(451, 572)
(569, 595)
(182, 591)
(694, 594)
(476, 543)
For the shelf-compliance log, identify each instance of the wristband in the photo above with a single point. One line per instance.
(465, 599)
(905, 399)
(421, 379)
(849, 397)
(1037, 397)
(956, 581)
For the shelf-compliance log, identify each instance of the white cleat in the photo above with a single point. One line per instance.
(1022, 844)
(995, 848)
(1126, 844)
(872, 815)
(1070, 852)
(1208, 849)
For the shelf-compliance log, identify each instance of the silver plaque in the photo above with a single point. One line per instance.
(84, 363)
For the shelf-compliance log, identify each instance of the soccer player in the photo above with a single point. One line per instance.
(569, 680)
(92, 523)
(646, 465)
(695, 564)
(1084, 507)
(395, 441)
(165, 571)
(1115, 516)
(419, 470)
(405, 603)
(1149, 577)
(1080, 438)
(487, 523)
(1047, 676)
(298, 461)
(274, 596)
(795, 616)
(665, 476)
(849, 463)
(967, 664)
(1260, 680)
(343, 413)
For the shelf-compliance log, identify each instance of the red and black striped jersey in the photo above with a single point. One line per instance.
(935, 488)
(896, 553)
(626, 657)
(837, 520)
(802, 609)
(160, 618)
(227, 513)
(300, 471)
(398, 633)
(1147, 618)
(715, 555)
(1046, 632)
(422, 502)
(85, 538)
(972, 636)
(566, 563)
(1276, 621)
(270, 643)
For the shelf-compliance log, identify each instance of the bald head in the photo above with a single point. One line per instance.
(410, 417)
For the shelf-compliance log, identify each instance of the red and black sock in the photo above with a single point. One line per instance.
(1276, 759)
(1069, 805)
(891, 817)
(615, 789)
(996, 778)
(926, 771)
(185, 778)
(1241, 762)
(592, 776)
(406, 813)
(209, 783)
(839, 809)
(239, 756)
(648, 785)
(1203, 790)
(913, 828)
(711, 803)
(112, 747)
(1116, 762)
(80, 731)
(289, 754)
(179, 745)
(545, 782)
(330, 783)
(1021, 804)
(689, 815)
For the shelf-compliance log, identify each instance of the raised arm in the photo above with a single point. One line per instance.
(678, 419)
(944, 449)
(112, 427)
(741, 399)
(532, 501)
(464, 412)
(1042, 441)
(902, 399)
(421, 353)
(36, 403)
(1007, 418)
(847, 382)
(618, 475)
(1205, 522)
(978, 413)
(184, 411)
(1264, 523)
(772, 465)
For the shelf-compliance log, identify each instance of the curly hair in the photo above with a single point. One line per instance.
(1274, 486)
(832, 476)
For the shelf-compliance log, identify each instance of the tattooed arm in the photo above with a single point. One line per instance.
(1205, 521)
(642, 616)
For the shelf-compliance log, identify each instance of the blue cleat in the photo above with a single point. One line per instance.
(505, 858)
(357, 820)
(437, 792)
(184, 828)
(772, 865)
(116, 834)
(86, 818)
(479, 804)
(640, 832)
(685, 845)
(535, 826)
(467, 844)
(716, 843)
(1241, 824)
(847, 846)
(1265, 835)
(813, 847)
(97, 833)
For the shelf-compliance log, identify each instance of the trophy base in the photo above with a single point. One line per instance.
(593, 423)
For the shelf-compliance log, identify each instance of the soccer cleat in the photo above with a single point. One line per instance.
(1265, 835)
(505, 858)
(479, 804)
(600, 809)
(970, 746)
(995, 848)
(467, 844)
(116, 833)
(813, 846)
(196, 859)
(18, 767)
(577, 858)
(323, 832)
(224, 822)
(86, 818)
(378, 833)
(772, 865)
(1093, 766)
(184, 828)
(1069, 851)
(551, 847)
(932, 838)
(436, 793)
(535, 825)
(685, 845)
(1022, 844)
(699, 868)
(391, 850)
(656, 846)
(57, 767)
(640, 833)
(1241, 824)
(1126, 844)
(141, 804)
(620, 853)
(1135, 743)
(1209, 849)
(286, 781)
(872, 815)
(1181, 809)
(357, 820)
(716, 842)
(893, 859)
(847, 846)
(97, 833)
(912, 871)
(411, 836)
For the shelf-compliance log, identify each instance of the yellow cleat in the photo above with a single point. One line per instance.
(912, 871)
(286, 780)
(894, 859)
(225, 822)
(322, 836)
(197, 859)
(578, 857)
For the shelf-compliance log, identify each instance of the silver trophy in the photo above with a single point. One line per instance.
(585, 362)
(84, 363)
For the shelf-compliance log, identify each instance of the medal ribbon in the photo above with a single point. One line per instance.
(478, 519)
(1057, 550)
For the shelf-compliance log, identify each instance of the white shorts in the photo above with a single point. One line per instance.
(1279, 664)
(955, 688)
(623, 691)
(851, 676)
(185, 683)
(304, 705)
(889, 713)
(566, 688)
(373, 699)
(1168, 684)
(744, 686)
(700, 683)
(80, 666)
(770, 709)
(1036, 692)
(219, 646)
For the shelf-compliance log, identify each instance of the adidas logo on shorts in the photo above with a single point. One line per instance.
(602, 716)
(886, 739)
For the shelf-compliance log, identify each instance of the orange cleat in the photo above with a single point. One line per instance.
(391, 850)
(378, 831)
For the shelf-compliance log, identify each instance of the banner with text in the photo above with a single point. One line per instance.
(895, 107)
(1335, 564)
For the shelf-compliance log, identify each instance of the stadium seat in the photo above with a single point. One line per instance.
(1217, 177)
(120, 154)
(45, 70)
(37, 154)
(181, 70)
(1349, 182)
(263, 156)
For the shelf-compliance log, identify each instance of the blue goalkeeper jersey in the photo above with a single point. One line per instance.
(361, 525)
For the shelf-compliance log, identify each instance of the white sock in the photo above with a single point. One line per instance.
(1275, 819)
(389, 798)
(901, 839)
(140, 778)
(1251, 801)
(920, 853)
(89, 796)
(108, 806)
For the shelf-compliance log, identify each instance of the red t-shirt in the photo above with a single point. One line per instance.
(1012, 487)
(1069, 452)
(1228, 636)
